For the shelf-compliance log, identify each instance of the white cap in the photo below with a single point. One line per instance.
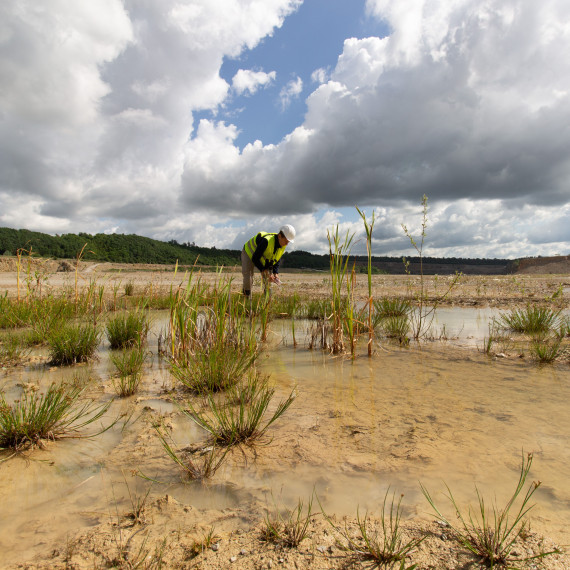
(288, 231)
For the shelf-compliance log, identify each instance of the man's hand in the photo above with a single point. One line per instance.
(274, 278)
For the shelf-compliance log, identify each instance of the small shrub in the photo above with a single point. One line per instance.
(73, 343)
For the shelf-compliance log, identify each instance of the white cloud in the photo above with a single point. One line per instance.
(465, 101)
(320, 75)
(97, 102)
(246, 80)
(462, 102)
(291, 91)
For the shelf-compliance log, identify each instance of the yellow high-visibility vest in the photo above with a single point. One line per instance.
(272, 253)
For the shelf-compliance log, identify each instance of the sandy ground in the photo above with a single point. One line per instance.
(469, 290)
(169, 534)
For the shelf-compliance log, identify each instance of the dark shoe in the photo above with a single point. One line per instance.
(246, 292)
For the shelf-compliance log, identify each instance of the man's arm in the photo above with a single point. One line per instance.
(256, 257)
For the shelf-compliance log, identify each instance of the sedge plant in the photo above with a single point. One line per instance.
(491, 533)
(56, 413)
(241, 414)
(382, 542)
(73, 343)
(288, 527)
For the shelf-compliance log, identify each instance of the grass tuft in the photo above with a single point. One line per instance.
(288, 527)
(382, 543)
(71, 344)
(531, 320)
(492, 533)
(546, 350)
(11, 350)
(197, 465)
(240, 415)
(127, 329)
(129, 365)
(54, 414)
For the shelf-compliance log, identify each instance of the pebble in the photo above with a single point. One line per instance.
(233, 559)
(243, 552)
(215, 547)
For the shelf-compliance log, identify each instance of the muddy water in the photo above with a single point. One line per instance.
(433, 413)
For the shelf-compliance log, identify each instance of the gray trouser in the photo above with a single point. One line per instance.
(247, 269)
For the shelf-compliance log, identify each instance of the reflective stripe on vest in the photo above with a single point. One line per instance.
(270, 256)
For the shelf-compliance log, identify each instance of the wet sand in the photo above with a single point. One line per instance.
(431, 413)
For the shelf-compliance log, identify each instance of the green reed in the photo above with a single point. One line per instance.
(368, 227)
(339, 252)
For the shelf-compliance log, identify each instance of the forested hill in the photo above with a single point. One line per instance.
(123, 248)
(116, 248)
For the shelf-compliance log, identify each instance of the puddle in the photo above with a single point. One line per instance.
(432, 413)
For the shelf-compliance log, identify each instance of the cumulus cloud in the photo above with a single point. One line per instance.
(248, 81)
(465, 101)
(462, 101)
(98, 99)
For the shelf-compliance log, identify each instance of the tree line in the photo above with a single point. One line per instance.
(131, 248)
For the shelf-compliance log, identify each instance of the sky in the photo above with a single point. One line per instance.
(207, 122)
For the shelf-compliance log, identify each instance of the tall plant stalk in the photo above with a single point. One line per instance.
(368, 227)
(424, 315)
